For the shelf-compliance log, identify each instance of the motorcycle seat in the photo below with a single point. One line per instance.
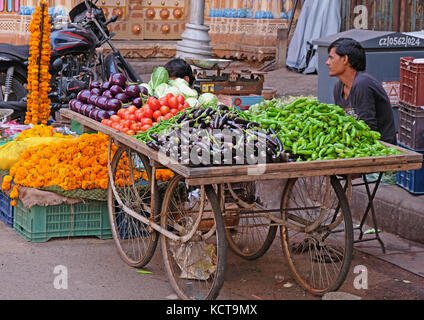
(20, 52)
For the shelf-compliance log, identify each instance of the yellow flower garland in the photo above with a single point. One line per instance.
(38, 105)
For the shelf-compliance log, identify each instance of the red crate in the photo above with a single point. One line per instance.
(411, 82)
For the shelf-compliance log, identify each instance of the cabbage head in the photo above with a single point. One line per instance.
(208, 100)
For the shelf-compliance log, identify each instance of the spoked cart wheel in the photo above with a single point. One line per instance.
(249, 233)
(194, 250)
(135, 241)
(317, 232)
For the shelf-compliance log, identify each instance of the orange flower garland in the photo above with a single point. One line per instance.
(38, 105)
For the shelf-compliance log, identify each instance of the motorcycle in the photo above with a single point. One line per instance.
(74, 62)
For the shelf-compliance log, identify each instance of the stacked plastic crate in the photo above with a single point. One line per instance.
(411, 120)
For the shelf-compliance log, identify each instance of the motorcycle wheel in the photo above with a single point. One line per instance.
(18, 91)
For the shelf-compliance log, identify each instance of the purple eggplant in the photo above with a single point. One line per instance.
(95, 84)
(118, 79)
(122, 97)
(108, 94)
(115, 89)
(93, 113)
(105, 86)
(113, 104)
(83, 95)
(93, 99)
(77, 106)
(96, 91)
(71, 104)
(102, 102)
(144, 91)
(138, 102)
(110, 112)
(102, 114)
(133, 91)
(88, 109)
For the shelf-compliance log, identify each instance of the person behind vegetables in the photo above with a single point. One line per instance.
(357, 92)
(178, 68)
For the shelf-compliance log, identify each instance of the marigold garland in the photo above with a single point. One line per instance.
(75, 164)
(40, 130)
(38, 105)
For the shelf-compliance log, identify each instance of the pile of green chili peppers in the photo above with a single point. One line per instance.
(319, 131)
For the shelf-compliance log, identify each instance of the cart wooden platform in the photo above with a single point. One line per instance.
(199, 212)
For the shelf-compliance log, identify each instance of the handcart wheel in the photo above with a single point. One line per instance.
(249, 234)
(135, 241)
(195, 262)
(318, 244)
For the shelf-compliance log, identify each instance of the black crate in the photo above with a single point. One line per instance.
(411, 126)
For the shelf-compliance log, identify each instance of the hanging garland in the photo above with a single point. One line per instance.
(38, 105)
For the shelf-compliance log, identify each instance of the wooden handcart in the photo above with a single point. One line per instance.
(200, 211)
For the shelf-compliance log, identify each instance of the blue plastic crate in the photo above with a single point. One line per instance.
(411, 180)
(6, 210)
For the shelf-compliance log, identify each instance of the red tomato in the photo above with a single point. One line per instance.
(115, 125)
(136, 126)
(123, 129)
(145, 127)
(104, 121)
(180, 99)
(163, 101)
(156, 114)
(132, 108)
(186, 105)
(139, 114)
(169, 95)
(115, 118)
(160, 119)
(125, 114)
(164, 110)
(120, 112)
(168, 116)
(146, 121)
(148, 113)
(130, 132)
(154, 123)
(173, 111)
(126, 123)
(180, 107)
(173, 102)
(154, 103)
(132, 116)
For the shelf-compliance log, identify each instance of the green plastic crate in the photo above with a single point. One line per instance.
(39, 224)
(78, 128)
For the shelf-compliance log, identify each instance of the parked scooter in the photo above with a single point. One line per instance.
(74, 61)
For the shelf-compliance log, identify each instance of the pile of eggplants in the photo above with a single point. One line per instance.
(221, 146)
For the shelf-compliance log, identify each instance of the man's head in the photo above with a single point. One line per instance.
(178, 68)
(345, 54)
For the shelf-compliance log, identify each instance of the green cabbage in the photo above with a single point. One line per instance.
(159, 76)
(208, 100)
(174, 90)
(192, 102)
(160, 90)
(183, 87)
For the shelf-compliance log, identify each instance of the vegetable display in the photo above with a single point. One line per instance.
(102, 100)
(207, 136)
(318, 131)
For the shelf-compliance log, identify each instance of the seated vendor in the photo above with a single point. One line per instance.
(357, 92)
(178, 68)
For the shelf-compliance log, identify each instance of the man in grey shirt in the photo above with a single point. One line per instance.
(357, 92)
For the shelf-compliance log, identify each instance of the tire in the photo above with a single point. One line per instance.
(249, 235)
(135, 241)
(319, 257)
(18, 92)
(195, 268)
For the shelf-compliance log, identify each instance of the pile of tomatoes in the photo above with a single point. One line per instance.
(132, 119)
